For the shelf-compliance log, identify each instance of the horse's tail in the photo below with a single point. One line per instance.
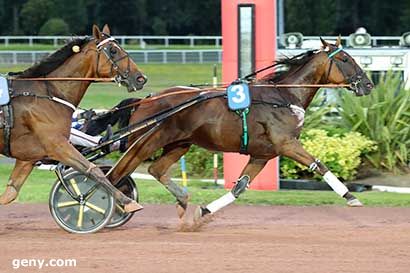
(120, 116)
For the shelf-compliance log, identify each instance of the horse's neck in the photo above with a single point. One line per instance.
(311, 73)
(72, 91)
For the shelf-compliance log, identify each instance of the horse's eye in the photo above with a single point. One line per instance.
(344, 60)
(113, 51)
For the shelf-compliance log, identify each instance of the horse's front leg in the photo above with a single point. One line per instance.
(61, 150)
(294, 150)
(18, 176)
(250, 171)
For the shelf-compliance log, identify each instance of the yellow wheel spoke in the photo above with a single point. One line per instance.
(91, 194)
(67, 204)
(75, 186)
(120, 208)
(80, 216)
(94, 207)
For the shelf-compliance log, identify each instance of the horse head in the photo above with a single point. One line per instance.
(113, 61)
(343, 69)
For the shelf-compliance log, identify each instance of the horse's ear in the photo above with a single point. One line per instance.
(339, 41)
(96, 32)
(325, 45)
(106, 30)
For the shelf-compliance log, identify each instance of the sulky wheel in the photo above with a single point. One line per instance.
(129, 188)
(87, 209)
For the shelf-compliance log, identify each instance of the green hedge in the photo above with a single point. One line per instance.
(340, 153)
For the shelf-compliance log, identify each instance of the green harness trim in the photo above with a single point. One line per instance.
(329, 56)
(245, 137)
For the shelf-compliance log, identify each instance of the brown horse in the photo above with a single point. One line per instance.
(43, 109)
(275, 122)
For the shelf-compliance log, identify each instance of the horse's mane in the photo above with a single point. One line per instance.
(288, 65)
(51, 62)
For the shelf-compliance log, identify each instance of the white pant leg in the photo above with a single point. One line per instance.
(81, 139)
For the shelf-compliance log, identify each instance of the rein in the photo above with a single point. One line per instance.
(64, 79)
(304, 85)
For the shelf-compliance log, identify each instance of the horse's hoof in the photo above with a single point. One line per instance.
(9, 195)
(199, 213)
(133, 206)
(354, 203)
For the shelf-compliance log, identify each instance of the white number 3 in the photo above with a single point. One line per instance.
(239, 94)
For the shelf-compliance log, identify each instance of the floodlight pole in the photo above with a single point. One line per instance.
(281, 17)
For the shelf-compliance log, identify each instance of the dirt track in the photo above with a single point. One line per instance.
(241, 239)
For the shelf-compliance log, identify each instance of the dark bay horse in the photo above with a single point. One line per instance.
(43, 109)
(275, 121)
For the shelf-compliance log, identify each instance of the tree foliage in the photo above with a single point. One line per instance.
(74, 14)
(54, 26)
(34, 14)
(333, 17)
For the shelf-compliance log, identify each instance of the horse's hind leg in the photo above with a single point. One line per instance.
(251, 170)
(159, 168)
(294, 150)
(18, 176)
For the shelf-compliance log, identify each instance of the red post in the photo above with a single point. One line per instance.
(265, 47)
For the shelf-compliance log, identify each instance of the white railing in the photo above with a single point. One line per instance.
(140, 40)
(167, 41)
(381, 58)
(376, 41)
(139, 56)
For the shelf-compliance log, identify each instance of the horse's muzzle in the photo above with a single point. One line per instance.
(361, 86)
(136, 82)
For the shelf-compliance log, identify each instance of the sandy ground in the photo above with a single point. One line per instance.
(240, 239)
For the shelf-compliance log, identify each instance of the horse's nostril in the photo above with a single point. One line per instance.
(141, 79)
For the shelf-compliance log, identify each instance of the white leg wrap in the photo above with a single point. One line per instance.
(335, 183)
(221, 202)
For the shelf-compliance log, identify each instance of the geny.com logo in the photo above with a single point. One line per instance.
(41, 263)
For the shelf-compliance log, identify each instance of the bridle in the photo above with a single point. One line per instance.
(106, 46)
(353, 80)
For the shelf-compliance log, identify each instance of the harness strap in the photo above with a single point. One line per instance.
(64, 102)
(334, 52)
(52, 98)
(243, 113)
(8, 124)
(105, 41)
(297, 108)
